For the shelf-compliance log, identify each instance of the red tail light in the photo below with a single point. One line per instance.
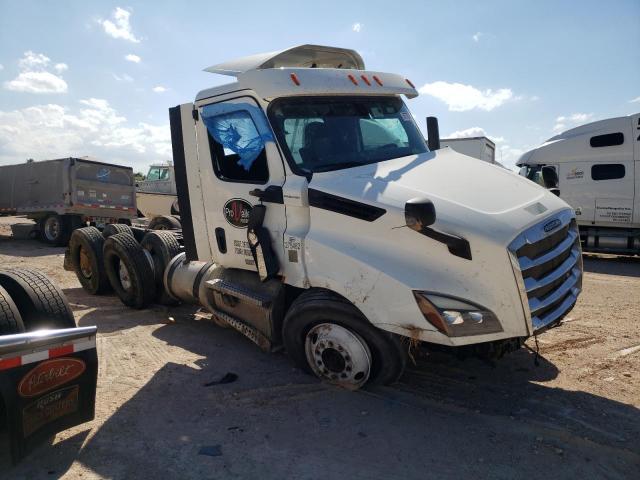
(377, 80)
(353, 79)
(294, 79)
(409, 82)
(365, 80)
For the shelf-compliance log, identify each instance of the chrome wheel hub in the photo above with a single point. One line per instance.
(338, 355)
(52, 228)
(125, 278)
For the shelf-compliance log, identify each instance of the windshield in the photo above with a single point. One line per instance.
(329, 133)
(533, 173)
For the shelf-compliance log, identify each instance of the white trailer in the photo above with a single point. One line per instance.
(477, 147)
(595, 168)
(315, 218)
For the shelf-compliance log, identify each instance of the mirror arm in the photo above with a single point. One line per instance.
(458, 246)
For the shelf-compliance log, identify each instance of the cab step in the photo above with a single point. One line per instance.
(248, 331)
(238, 291)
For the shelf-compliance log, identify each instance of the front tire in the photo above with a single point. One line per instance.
(328, 336)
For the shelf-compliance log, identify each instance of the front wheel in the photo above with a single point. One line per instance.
(328, 336)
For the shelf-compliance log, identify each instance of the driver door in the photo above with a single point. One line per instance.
(237, 155)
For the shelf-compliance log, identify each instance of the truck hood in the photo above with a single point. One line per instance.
(444, 175)
(462, 189)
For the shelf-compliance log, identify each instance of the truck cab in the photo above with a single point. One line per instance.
(594, 168)
(315, 218)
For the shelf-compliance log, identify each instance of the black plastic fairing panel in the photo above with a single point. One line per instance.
(344, 206)
(182, 185)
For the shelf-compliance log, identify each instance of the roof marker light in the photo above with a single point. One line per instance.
(365, 80)
(353, 79)
(377, 80)
(410, 84)
(294, 79)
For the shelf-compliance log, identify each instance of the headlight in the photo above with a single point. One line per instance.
(456, 318)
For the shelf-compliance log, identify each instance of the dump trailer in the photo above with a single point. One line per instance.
(595, 168)
(48, 366)
(315, 219)
(64, 194)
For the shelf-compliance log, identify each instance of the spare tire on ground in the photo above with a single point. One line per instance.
(113, 228)
(165, 222)
(162, 246)
(85, 252)
(10, 319)
(40, 302)
(129, 270)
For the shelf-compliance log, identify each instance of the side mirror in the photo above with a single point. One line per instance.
(419, 213)
(550, 177)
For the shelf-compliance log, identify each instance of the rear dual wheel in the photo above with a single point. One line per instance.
(328, 336)
(85, 250)
(39, 303)
(57, 229)
(130, 270)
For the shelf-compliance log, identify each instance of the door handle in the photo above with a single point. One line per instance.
(271, 194)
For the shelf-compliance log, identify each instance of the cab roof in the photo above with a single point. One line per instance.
(306, 70)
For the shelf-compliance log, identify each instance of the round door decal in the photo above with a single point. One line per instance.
(237, 211)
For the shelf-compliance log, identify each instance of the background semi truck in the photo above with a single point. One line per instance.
(315, 219)
(67, 193)
(595, 168)
(156, 195)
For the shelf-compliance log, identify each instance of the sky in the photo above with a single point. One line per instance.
(97, 78)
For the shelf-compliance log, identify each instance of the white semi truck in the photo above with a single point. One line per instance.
(315, 218)
(595, 168)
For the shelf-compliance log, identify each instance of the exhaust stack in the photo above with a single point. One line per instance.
(433, 134)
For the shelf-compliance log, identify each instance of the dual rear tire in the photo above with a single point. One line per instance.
(30, 301)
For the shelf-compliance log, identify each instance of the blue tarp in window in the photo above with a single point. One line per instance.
(236, 130)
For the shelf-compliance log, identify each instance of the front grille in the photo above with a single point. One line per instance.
(551, 267)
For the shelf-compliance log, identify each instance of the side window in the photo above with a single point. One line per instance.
(607, 171)
(154, 174)
(608, 140)
(164, 174)
(237, 148)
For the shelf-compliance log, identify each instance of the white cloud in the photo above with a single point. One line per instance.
(357, 27)
(123, 78)
(94, 128)
(36, 82)
(508, 155)
(33, 61)
(132, 58)
(460, 97)
(159, 89)
(474, 132)
(60, 67)
(635, 100)
(476, 36)
(564, 122)
(120, 27)
(34, 77)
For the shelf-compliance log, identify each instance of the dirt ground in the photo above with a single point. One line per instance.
(575, 415)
